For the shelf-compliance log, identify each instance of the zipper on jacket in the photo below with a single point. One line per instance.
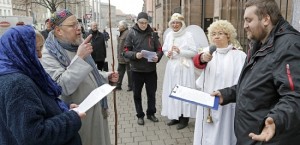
(253, 64)
(288, 71)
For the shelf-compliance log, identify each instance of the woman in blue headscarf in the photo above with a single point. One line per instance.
(30, 110)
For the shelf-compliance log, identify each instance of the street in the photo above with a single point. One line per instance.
(129, 132)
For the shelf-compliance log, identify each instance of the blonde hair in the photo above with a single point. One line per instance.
(224, 26)
(177, 17)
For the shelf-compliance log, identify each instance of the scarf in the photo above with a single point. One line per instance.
(179, 32)
(18, 55)
(58, 50)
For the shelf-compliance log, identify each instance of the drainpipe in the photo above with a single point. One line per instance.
(203, 13)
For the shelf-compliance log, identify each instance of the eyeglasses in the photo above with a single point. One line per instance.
(218, 34)
(176, 22)
(74, 26)
(142, 23)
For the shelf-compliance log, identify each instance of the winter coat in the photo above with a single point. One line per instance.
(99, 48)
(121, 41)
(77, 82)
(30, 117)
(45, 33)
(269, 86)
(106, 36)
(138, 40)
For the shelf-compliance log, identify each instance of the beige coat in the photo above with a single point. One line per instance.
(77, 81)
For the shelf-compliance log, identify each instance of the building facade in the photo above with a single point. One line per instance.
(204, 12)
(5, 8)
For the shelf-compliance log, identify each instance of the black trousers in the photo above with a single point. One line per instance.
(121, 70)
(150, 81)
(100, 65)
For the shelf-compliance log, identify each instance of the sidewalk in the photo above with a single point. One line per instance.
(129, 132)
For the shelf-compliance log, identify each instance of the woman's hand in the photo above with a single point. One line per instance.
(176, 49)
(205, 57)
(81, 115)
(170, 53)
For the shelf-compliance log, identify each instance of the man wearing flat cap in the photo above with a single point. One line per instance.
(143, 70)
(67, 59)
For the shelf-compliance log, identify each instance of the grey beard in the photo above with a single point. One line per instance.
(77, 42)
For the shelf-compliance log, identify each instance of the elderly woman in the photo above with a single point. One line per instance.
(179, 47)
(221, 69)
(30, 111)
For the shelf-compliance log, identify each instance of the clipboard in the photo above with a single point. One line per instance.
(195, 97)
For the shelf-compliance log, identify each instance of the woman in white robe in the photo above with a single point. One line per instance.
(179, 47)
(220, 69)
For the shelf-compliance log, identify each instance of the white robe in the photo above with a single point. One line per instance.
(179, 70)
(222, 71)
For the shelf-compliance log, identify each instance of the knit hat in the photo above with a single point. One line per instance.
(58, 17)
(142, 15)
(177, 17)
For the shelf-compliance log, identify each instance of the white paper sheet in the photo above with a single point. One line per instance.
(149, 55)
(94, 97)
(194, 96)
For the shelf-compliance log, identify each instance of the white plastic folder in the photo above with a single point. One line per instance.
(94, 97)
(195, 96)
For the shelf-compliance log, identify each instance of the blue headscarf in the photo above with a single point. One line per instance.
(18, 55)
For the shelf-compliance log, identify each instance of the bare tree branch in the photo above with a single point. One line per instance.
(52, 5)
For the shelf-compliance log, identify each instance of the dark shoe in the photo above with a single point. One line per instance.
(173, 122)
(181, 126)
(140, 121)
(183, 122)
(152, 118)
(118, 88)
(129, 89)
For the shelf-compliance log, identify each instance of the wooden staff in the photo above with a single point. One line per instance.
(113, 69)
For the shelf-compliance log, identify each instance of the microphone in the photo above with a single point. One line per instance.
(212, 49)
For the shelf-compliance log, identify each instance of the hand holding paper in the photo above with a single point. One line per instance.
(149, 55)
(94, 97)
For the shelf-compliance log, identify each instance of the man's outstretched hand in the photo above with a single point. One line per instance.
(267, 133)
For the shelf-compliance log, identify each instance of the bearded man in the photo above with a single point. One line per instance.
(67, 58)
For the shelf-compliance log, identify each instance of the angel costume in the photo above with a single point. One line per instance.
(179, 70)
(222, 71)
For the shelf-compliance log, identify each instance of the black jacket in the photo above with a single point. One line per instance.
(45, 33)
(98, 43)
(269, 86)
(138, 40)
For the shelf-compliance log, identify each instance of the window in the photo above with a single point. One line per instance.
(4, 12)
(8, 12)
(0, 12)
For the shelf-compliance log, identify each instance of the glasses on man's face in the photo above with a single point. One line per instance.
(218, 34)
(143, 23)
(74, 25)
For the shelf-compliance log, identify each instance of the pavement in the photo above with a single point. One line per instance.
(129, 132)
